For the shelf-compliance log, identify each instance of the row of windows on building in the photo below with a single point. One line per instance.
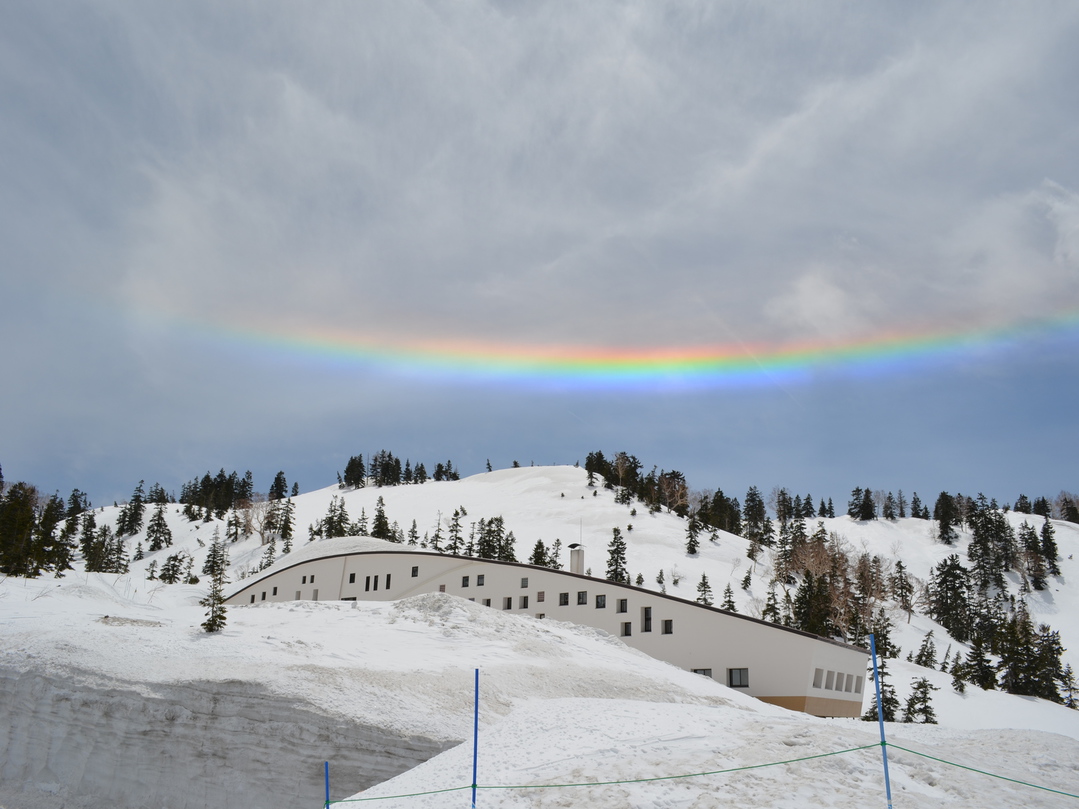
(837, 681)
(736, 678)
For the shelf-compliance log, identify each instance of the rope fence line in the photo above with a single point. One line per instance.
(702, 774)
(984, 772)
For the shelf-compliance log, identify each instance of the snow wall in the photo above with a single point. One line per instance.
(194, 745)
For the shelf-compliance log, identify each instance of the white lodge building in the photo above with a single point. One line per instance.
(782, 666)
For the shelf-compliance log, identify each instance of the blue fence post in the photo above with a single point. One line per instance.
(475, 737)
(880, 720)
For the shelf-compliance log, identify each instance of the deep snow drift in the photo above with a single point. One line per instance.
(113, 696)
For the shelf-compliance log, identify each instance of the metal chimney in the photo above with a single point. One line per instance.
(576, 559)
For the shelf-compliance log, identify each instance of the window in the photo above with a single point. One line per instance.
(623, 605)
(818, 678)
(376, 582)
(441, 588)
(314, 595)
(387, 581)
(668, 626)
(702, 672)
(540, 615)
(303, 580)
(646, 619)
(582, 597)
(524, 582)
(263, 596)
(464, 581)
(415, 571)
(297, 595)
(367, 584)
(738, 678)
(857, 685)
(351, 578)
(601, 602)
(524, 602)
(563, 599)
(252, 598)
(830, 681)
(479, 580)
(627, 628)
(275, 591)
(312, 578)
(539, 597)
(472, 600)
(850, 683)
(486, 602)
(507, 603)
(350, 598)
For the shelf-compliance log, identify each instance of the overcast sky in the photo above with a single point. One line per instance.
(180, 182)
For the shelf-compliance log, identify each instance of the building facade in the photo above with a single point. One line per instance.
(776, 664)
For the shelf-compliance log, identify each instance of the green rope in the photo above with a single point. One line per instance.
(983, 772)
(612, 783)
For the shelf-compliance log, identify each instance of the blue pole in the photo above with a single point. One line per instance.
(880, 720)
(476, 738)
(326, 769)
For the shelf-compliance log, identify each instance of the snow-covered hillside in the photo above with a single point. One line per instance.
(114, 696)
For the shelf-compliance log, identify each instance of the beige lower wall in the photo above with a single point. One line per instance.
(817, 706)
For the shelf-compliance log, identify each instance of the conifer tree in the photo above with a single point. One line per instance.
(927, 652)
(919, 705)
(978, 669)
(157, 531)
(616, 558)
(889, 701)
(728, 599)
(747, 580)
(704, 591)
(539, 554)
(771, 606)
(380, 524)
(1049, 548)
(215, 601)
(693, 531)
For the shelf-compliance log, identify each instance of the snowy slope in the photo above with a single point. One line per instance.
(378, 688)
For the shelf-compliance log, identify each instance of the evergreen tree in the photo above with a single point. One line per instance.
(1034, 567)
(539, 554)
(554, 556)
(902, 589)
(949, 598)
(813, 606)
(958, 675)
(919, 706)
(978, 669)
(888, 700)
(747, 580)
(129, 520)
(1049, 548)
(927, 652)
(380, 525)
(172, 569)
(693, 530)
(946, 514)
(891, 509)
(157, 532)
(217, 561)
(215, 599)
(704, 591)
(755, 518)
(414, 534)
(728, 599)
(771, 606)
(1068, 688)
(616, 559)
(279, 487)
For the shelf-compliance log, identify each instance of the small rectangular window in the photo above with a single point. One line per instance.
(857, 685)
(441, 588)
(312, 578)
(387, 581)
(563, 599)
(623, 605)
(703, 672)
(646, 619)
(507, 603)
(818, 678)
(627, 628)
(524, 583)
(486, 602)
(351, 578)
(479, 580)
(539, 597)
(303, 580)
(275, 591)
(540, 615)
(472, 599)
(582, 597)
(314, 595)
(829, 682)
(464, 581)
(252, 598)
(524, 602)
(850, 683)
(415, 571)
(668, 626)
(263, 596)
(738, 678)
(367, 584)
(601, 602)
(297, 595)
(376, 583)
